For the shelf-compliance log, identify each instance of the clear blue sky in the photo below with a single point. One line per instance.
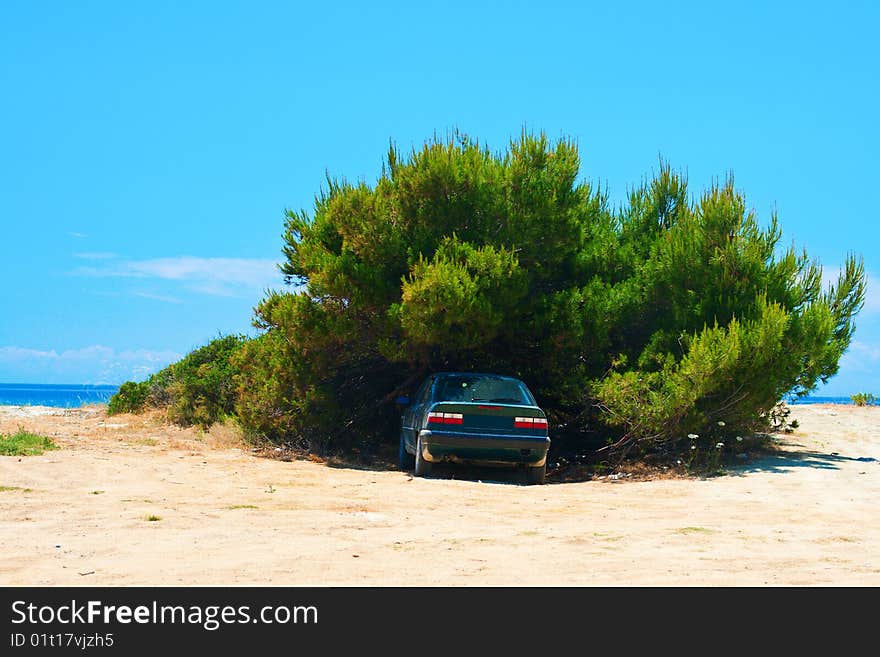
(148, 149)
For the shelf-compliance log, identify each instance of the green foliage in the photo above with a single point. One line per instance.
(634, 325)
(461, 299)
(198, 389)
(724, 327)
(130, 398)
(646, 323)
(25, 443)
(275, 390)
(863, 399)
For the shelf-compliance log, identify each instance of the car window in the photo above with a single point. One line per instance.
(422, 394)
(482, 388)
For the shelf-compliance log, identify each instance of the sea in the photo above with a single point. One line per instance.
(76, 395)
(57, 395)
(822, 400)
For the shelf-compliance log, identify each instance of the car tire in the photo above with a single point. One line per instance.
(404, 458)
(422, 468)
(537, 475)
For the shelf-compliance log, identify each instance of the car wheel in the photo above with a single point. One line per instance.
(404, 458)
(422, 467)
(537, 475)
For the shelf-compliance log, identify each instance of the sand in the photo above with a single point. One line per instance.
(78, 516)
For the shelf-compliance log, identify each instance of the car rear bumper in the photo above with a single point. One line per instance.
(499, 449)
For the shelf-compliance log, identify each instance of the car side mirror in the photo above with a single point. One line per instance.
(403, 400)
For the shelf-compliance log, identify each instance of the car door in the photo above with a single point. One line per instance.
(412, 415)
(408, 415)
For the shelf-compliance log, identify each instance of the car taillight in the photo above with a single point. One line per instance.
(445, 418)
(530, 422)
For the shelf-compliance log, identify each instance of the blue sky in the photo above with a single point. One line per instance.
(149, 149)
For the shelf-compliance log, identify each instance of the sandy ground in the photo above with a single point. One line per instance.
(806, 516)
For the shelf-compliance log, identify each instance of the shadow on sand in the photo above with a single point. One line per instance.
(385, 461)
(785, 461)
(779, 462)
(485, 475)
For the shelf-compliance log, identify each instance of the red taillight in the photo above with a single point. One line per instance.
(445, 418)
(530, 422)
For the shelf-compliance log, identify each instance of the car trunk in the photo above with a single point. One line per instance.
(487, 418)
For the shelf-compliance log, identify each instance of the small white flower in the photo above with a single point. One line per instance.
(739, 439)
(720, 423)
(719, 445)
(693, 436)
(693, 446)
(678, 461)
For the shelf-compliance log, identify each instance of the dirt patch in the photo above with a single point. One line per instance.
(78, 516)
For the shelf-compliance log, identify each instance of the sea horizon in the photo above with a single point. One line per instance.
(75, 395)
(56, 395)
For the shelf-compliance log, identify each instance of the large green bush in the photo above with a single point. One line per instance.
(130, 398)
(633, 325)
(198, 389)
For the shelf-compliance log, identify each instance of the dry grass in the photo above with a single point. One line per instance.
(150, 430)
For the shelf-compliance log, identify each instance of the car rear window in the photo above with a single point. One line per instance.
(483, 388)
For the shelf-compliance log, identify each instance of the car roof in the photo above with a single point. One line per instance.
(486, 374)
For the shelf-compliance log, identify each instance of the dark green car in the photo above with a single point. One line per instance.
(483, 419)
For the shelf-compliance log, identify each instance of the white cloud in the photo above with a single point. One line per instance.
(212, 276)
(79, 236)
(863, 351)
(19, 353)
(94, 364)
(232, 271)
(158, 297)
